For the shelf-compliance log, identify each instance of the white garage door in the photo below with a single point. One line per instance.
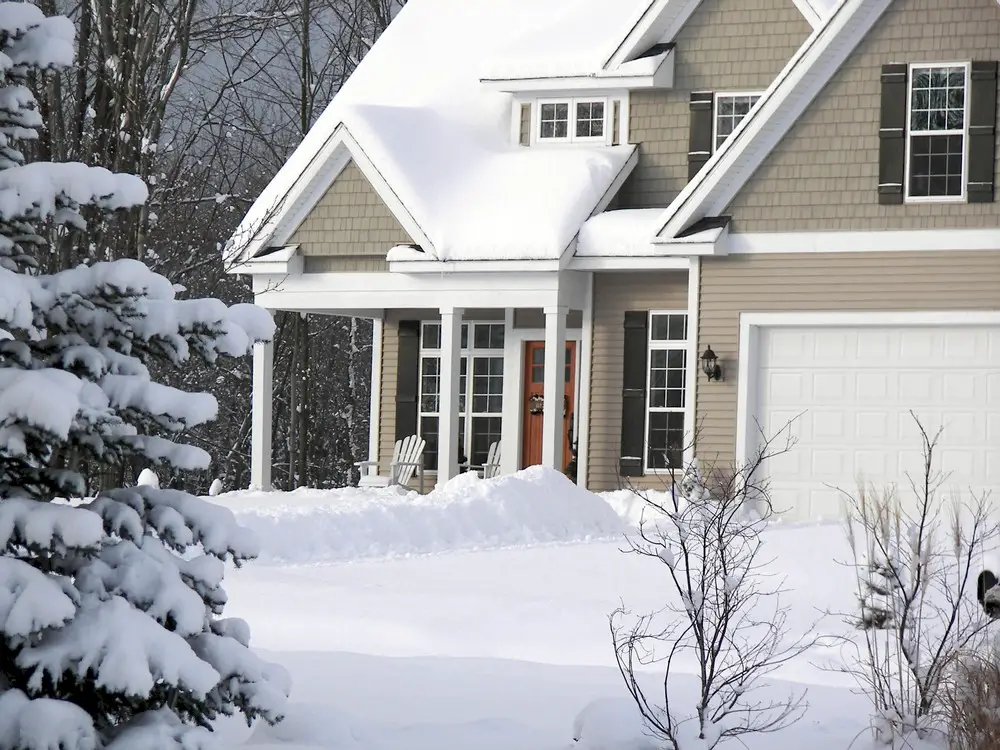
(854, 388)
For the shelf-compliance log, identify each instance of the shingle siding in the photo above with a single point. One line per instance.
(823, 176)
(821, 282)
(614, 293)
(726, 45)
(350, 222)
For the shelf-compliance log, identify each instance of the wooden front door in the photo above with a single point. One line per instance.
(534, 406)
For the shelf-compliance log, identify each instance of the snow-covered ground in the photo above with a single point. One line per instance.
(477, 617)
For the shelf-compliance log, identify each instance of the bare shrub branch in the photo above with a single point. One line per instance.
(918, 613)
(726, 621)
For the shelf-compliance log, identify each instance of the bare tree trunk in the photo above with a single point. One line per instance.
(304, 401)
(293, 403)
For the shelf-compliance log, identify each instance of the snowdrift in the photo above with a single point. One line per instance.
(533, 506)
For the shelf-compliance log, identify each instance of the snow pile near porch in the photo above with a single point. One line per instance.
(533, 506)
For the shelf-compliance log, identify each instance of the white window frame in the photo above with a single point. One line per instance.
(571, 136)
(963, 197)
(715, 113)
(468, 353)
(685, 409)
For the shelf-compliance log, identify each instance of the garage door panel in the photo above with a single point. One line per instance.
(993, 348)
(850, 391)
(993, 389)
(873, 426)
(871, 387)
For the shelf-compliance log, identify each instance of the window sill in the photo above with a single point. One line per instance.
(936, 199)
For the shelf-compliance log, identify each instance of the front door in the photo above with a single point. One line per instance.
(534, 406)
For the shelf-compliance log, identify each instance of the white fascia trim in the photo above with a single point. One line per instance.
(309, 188)
(784, 101)
(290, 210)
(872, 319)
(710, 242)
(909, 240)
(284, 261)
(473, 266)
(752, 323)
(387, 194)
(660, 21)
(629, 263)
(661, 78)
(335, 292)
(808, 12)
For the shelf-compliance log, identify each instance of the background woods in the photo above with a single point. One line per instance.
(204, 100)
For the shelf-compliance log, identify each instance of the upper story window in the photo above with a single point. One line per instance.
(571, 120)
(937, 132)
(730, 109)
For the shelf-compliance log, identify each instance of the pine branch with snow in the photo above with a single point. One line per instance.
(111, 627)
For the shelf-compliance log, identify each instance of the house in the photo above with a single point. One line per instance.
(805, 187)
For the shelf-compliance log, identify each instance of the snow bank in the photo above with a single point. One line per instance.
(533, 506)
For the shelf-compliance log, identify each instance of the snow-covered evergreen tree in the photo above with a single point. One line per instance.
(111, 633)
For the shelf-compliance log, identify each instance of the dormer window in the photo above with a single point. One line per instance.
(571, 120)
(553, 121)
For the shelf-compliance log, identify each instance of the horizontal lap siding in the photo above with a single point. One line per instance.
(823, 175)
(821, 282)
(614, 293)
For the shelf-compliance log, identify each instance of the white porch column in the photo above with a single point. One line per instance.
(260, 424)
(554, 387)
(375, 403)
(513, 368)
(451, 351)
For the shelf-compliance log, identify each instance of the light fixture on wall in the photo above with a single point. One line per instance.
(710, 364)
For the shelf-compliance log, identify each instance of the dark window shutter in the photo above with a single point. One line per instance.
(634, 393)
(892, 134)
(700, 144)
(982, 131)
(408, 378)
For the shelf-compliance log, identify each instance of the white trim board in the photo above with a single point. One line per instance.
(605, 80)
(375, 390)
(333, 292)
(310, 186)
(784, 101)
(906, 240)
(752, 323)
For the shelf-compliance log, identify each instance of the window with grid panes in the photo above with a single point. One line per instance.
(666, 398)
(480, 397)
(937, 132)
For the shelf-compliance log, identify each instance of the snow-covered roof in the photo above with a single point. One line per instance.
(441, 141)
(622, 233)
(438, 145)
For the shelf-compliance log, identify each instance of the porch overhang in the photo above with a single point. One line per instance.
(337, 292)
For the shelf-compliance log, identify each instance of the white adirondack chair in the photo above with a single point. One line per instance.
(407, 457)
(491, 468)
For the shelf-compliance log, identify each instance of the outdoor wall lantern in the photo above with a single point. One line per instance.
(710, 364)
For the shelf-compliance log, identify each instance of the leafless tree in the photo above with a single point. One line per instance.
(916, 566)
(726, 616)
